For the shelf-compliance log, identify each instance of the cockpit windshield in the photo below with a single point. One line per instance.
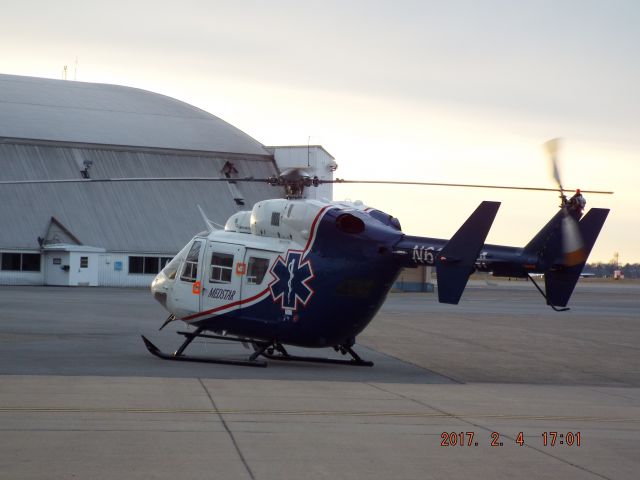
(171, 269)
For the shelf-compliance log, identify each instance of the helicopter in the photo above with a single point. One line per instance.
(313, 273)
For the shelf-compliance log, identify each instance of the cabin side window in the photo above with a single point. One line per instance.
(256, 270)
(221, 267)
(190, 268)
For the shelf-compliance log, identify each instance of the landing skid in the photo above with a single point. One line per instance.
(179, 355)
(270, 350)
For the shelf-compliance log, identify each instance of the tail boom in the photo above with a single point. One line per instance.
(465, 253)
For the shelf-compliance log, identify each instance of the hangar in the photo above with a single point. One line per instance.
(118, 234)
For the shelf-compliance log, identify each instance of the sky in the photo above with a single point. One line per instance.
(457, 91)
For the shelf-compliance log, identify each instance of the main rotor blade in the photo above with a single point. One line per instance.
(464, 185)
(138, 179)
(274, 181)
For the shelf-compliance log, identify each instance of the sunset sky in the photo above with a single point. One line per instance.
(457, 91)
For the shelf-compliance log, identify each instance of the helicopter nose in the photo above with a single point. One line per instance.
(160, 288)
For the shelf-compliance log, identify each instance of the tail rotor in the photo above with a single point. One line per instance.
(573, 250)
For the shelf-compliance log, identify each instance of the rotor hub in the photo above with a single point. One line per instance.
(294, 181)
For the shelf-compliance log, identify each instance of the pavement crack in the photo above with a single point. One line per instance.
(226, 427)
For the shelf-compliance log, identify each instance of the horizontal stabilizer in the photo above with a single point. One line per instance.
(559, 284)
(457, 259)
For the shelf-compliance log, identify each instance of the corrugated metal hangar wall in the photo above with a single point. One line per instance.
(111, 234)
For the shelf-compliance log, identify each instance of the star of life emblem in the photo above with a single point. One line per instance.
(291, 278)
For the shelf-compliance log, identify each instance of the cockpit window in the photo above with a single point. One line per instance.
(190, 268)
(221, 267)
(171, 268)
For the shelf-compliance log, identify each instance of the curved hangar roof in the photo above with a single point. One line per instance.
(68, 111)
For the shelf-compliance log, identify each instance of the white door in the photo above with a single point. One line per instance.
(57, 268)
(223, 271)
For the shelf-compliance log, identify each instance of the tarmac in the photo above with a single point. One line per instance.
(80, 397)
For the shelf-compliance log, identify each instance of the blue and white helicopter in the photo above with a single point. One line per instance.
(313, 274)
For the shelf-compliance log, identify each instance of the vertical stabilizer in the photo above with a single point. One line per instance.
(560, 282)
(457, 259)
